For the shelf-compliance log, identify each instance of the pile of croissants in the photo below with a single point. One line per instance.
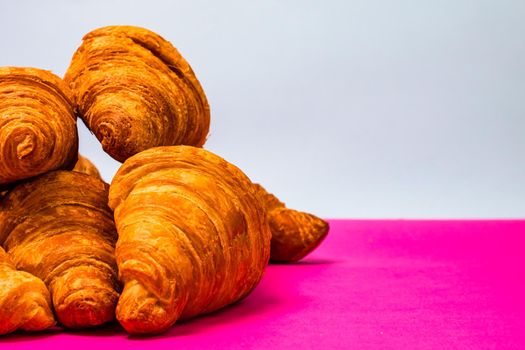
(179, 232)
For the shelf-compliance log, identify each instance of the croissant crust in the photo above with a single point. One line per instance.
(38, 130)
(85, 166)
(59, 228)
(24, 300)
(135, 91)
(193, 236)
(295, 234)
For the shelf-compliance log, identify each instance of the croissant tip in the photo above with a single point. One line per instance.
(42, 319)
(87, 312)
(139, 312)
(138, 326)
(296, 234)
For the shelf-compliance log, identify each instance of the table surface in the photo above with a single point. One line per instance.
(373, 284)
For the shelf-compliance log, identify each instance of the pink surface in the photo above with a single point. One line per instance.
(371, 285)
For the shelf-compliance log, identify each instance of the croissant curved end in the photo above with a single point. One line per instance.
(81, 311)
(38, 124)
(295, 234)
(147, 316)
(41, 319)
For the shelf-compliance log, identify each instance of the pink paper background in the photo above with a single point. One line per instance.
(380, 284)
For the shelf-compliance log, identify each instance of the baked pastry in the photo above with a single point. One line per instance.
(59, 228)
(193, 236)
(38, 130)
(24, 300)
(295, 234)
(85, 166)
(135, 91)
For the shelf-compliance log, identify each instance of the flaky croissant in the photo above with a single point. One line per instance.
(193, 236)
(38, 131)
(135, 91)
(85, 166)
(59, 228)
(295, 234)
(24, 300)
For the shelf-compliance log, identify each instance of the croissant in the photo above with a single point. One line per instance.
(59, 228)
(193, 236)
(85, 166)
(135, 91)
(24, 300)
(38, 131)
(294, 234)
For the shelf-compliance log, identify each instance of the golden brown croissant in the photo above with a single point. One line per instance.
(59, 228)
(135, 91)
(38, 131)
(294, 234)
(193, 236)
(24, 300)
(85, 166)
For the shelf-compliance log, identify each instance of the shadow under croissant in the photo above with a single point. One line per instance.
(307, 262)
(273, 292)
(265, 298)
(24, 336)
(108, 329)
(256, 303)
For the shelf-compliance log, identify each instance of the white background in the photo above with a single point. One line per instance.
(343, 108)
